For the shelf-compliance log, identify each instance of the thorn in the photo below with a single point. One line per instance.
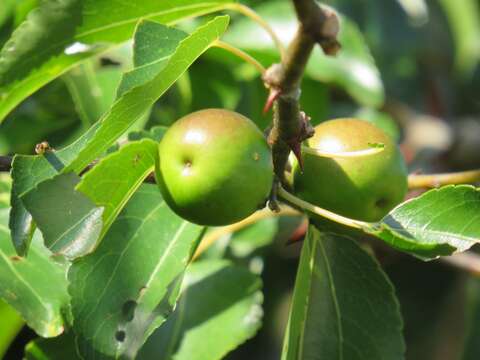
(272, 96)
(296, 147)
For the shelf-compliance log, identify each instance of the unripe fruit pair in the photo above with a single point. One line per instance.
(215, 168)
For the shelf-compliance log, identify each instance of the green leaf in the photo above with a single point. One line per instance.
(472, 346)
(61, 347)
(5, 189)
(134, 103)
(59, 34)
(353, 68)
(93, 90)
(417, 10)
(155, 133)
(27, 173)
(70, 222)
(464, 19)
(10, 325)
(6, 11)
(344, 306)
(439, 222)
(148, 57)
(216, 296)
(35, 286)
(21, 225)
(114, 180)
(254, 237)
(129, 285)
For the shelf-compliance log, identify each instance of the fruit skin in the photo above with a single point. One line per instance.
(364, 188)
(215, 167)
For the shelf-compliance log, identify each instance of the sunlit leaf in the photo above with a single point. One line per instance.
(216, 296)
(344, 307)
(464, 19)
(27, 172)
(128, 286)
(114, 180)
(36, 286)
(134, 103)
(439, 222)
(59, 34)
(10, 324)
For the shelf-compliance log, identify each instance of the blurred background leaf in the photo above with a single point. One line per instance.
(216, 296)
(10, 324)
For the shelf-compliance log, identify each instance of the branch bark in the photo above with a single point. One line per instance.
(428, 181)
(5, 163)
(317, 25)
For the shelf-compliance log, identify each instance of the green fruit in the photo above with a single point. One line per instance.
(364, 188)
(215, 167)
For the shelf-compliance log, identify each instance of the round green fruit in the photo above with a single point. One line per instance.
(364, 188)
(215, 167)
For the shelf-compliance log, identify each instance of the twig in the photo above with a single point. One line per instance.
(5, 163)
(241, 54)
(209, 239)
(290, 127)
(436, 180)
(467, 261)
(245, 10)
(289, 198)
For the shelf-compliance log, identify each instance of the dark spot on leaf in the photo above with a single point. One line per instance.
(16, 258)
(136, 159)
(142, 290)
(120, 335)
(128, 309)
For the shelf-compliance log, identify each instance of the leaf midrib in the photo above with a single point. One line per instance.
(58, 45)
(127, 246)
(334, 298)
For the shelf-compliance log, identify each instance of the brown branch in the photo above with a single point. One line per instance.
(416, 181)
(5, 163)
(210, 238)
(467, 261)
(317, 25)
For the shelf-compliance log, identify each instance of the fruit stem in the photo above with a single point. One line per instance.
(241, 54)
(344, 154)
(210, 238)
(250, 13)
(357, 224)
(436, 180)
